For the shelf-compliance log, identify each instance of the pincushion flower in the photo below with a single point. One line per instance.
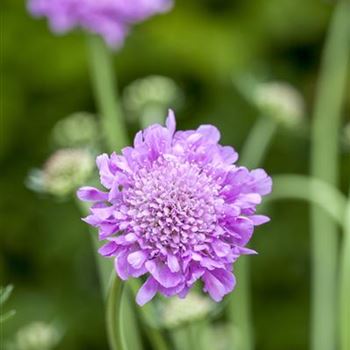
(109, 18)
(177, 209)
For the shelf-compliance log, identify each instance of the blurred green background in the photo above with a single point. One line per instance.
(202, 45)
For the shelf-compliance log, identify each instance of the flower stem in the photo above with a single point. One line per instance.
(258, 142)
(253, 154)
(104, 85)
(344, 297)
(113, 314)
(320, 193)
(324, 165)
(129, 327)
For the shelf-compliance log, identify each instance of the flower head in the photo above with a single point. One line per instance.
(109, 18)
(77, 130)
(177, 209)
(63, 172)
(280, 101)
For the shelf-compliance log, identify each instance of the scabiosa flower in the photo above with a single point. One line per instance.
(177, 209)
(109, 18)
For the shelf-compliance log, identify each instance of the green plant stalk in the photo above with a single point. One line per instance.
(344, 297)
(130, 335)
(111, 287)
(253, 153)
(180, 337)
(104, 86)
(130, 331)
(324, 165)
(149, 319)
(113, 319)
(326, 197)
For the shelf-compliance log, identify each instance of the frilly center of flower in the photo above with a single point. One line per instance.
(173, 206)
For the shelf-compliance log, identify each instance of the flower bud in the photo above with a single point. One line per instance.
(177, 312)
(77, 130)
(63, 172)
(281, 101)
(37, 336)
(149, 98)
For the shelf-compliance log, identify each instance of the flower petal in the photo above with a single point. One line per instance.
(173, 263)
(171, 122)
(137, 259)
(91, 194)
(163, 274)
(147, 291)
(218, 283)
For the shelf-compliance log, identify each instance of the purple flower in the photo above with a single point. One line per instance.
(109, 18)
(177, 209)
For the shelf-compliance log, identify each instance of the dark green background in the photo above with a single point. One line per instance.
(201, 44)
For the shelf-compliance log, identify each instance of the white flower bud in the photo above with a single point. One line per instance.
(77, 130)
(176, 312)
(150, 98)
(280, 101)
(63, 172)
(37, 336)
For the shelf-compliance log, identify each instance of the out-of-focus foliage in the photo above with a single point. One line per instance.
(5, 293)
(202, 45)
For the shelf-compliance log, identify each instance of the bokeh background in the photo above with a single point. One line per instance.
(202, 45)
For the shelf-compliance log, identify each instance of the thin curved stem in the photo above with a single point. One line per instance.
(344, 298)
(318, 192)
(253, 153)
(114, 298)
(104, 85)
(324, 165)
(258, 142)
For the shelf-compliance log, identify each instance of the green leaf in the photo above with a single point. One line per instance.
(7, 316)
(5, 293)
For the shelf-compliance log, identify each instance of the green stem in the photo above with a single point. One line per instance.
(258, 142)
(327, 198)
(253, 153)
(103, 81)
(344, 299)
(113, 314)
(130, 328)
(324, 165)
(149, 319)
(180, 338)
